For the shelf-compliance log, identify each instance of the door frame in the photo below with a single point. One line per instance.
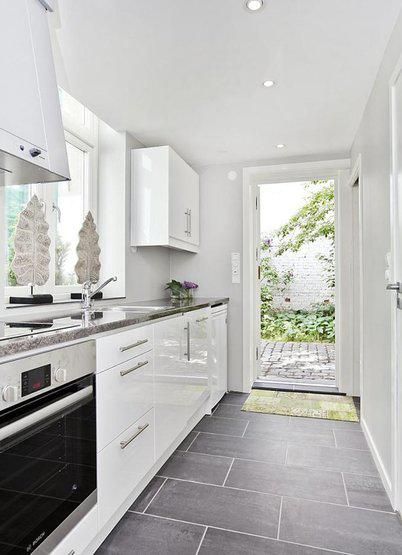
(253, 177)
(355, 386)
(396, 370)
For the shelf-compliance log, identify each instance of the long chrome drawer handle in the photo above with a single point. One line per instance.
(134, 368)
(133, 345)
(202, 319)
(123, 444)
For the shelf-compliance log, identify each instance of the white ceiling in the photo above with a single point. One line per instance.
(189, 73)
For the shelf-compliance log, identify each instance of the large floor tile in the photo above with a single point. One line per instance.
(235, 398)
(367, 492)
(347, 439)
(226, 426)
(241, 511)
(330, 458)
(240, 447)
(146, 535)
(260, 430)
(304, 423)
(232, 411)
(221, 542)
(285, 480)
(187, 441)
(199, 468)
(345, 529)
(142, 502)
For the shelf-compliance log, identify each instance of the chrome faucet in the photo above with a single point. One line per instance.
(88, 294)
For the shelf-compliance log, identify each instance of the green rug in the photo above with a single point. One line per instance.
(311, 405)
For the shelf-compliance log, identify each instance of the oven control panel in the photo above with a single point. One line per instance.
(35, 379)
(29, 377)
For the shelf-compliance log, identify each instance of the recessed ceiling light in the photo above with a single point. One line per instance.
(268, 84)
(280, 145)
(254, 5)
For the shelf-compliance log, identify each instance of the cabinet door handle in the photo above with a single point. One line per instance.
(190, 227)
(134, 368)
(34, 152)
(133, 345)
(202, 319)
(187, 230)
(188, 342)
(140, 429)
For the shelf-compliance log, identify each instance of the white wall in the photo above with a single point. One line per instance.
(373, 143)
(221, 233)
(141, 273)
(147, 268)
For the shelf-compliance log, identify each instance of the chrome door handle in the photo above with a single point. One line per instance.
(188, 353)
(190, 228)
(134, 368)
(140, 429)
(133, 345)
(187, 230)
(394, 287)
(202, 319)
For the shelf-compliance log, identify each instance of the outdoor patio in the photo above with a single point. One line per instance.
(298, 362)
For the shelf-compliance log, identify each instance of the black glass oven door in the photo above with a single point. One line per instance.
(47, 464)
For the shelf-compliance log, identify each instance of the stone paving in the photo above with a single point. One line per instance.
(298, 362)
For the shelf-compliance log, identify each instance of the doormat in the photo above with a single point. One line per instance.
(310, 405)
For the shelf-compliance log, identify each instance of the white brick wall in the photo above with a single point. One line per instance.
(308, 285)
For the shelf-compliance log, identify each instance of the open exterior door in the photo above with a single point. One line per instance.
(257, 288)
(396, 275)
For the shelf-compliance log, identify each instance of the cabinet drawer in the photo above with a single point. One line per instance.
(122, 465)
(80, 536)
(117, 348)
(124, 394)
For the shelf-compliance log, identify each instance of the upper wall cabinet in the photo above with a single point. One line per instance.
(32, 144)
(164, 200)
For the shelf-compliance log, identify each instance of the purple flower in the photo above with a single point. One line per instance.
(189, 285)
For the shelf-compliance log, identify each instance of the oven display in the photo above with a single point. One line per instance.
(36, 379)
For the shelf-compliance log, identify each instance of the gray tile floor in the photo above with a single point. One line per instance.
(248, 483)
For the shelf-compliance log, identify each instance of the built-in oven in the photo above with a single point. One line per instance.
(47, 447)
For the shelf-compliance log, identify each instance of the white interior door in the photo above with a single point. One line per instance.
(396, 273)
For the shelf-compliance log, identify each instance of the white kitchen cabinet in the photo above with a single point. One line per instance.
(32, 144)
(169, 382)
(197, 369)
(218, 354)
(123, 464)
(181, 374)
(124, 393)
(164, 200)
(76, 541)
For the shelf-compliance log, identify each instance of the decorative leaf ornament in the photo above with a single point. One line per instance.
(88, 251)
(31, 243)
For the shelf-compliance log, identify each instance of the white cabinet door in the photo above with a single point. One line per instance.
(123, 464)
(198, 330)
(218, 355)
(124, 394)
(180, 175)
(171, 395)
(194, 209)
(20, 102)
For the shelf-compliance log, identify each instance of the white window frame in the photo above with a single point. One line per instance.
(84, 137)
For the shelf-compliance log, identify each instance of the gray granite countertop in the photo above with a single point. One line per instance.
(100, 320)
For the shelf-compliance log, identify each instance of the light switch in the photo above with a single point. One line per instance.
(235, 267)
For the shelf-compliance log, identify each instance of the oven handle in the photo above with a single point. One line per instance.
(42, 414)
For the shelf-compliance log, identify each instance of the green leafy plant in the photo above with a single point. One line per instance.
(317, 324)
